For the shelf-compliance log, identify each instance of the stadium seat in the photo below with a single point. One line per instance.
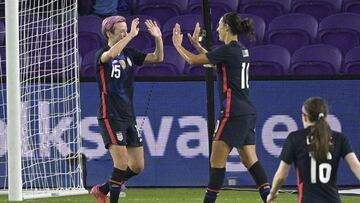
(88, 66)
(143, 40)
(187, 23)
(3, 60)
(269, 60)
(266, 9)
(351, 6)
(172, 65)
(352, 61)
(2, 33)
(90, 36)
(85, 7)
(317, 8)
(340, 30)
(292, 31)
(318, 59)
(161, 9)
(218, 8)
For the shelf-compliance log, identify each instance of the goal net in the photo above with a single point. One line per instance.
(51, 159)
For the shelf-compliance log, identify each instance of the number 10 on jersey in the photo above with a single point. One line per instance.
(324, 169)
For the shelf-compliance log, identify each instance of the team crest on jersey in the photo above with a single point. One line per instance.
(245, 53)
(120, 136)
(129, 61)
(123, 64)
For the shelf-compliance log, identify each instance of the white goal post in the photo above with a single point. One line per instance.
(39, 102)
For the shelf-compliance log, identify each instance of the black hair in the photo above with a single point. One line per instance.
(239, 25)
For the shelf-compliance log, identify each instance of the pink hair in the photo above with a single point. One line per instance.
(109, 22)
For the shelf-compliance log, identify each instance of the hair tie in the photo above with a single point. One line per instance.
(321, 115)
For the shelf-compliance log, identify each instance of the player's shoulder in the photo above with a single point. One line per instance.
(101, 50)
(338, 135)
(298, 135)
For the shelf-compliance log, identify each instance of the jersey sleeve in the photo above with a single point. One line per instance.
(136, 56)
(218, 55)
(98, 57)
(287, 153)
(345, 145)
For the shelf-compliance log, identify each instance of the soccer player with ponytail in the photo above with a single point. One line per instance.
(237, 119)
(315, 151)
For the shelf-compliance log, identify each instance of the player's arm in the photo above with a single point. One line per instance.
(121, 44)
(158, 54)
(279, 179)
(195, 39)
(185, 54)
(354, 163)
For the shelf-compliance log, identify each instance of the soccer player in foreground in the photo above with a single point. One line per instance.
(115, 75)
(315, 151)
(236, 125)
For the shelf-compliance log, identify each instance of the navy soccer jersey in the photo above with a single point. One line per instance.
(232, 61)
(316, 180)
(115, 79)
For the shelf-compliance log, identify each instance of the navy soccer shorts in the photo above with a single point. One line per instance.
(236, 131)
(119, 133)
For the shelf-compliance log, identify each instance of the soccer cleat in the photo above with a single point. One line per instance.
(101, 198)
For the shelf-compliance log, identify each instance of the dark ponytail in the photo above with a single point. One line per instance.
(239, 25)
(316, 110)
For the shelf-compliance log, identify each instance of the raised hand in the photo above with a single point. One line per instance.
(153, 28)
(134, 31)
(177, 37)
(194, 38)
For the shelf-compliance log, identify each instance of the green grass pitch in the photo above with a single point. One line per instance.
(183, 195)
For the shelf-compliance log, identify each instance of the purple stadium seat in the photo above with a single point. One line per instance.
(318, 59)
(172, 65)
(292, 31)
(187, 23)
(352, 61)
(144, 40)
(218, 8)
(88, 66)
(340, 30)
(266, 9)
(3, 60)
(317, 8)
(90, 36)
(351, 6)
(2, 8)
(161, 9)
(132, 4)
(2, 33)
(85, 7)
(269, 60)
(259, 26)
